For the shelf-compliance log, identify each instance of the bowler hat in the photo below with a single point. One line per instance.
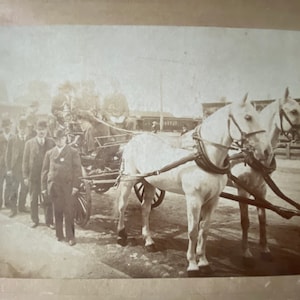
(6, 122)
(41, 124)
(59, 134)
(22, 123)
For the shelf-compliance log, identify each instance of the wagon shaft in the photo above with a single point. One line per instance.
(283, 212)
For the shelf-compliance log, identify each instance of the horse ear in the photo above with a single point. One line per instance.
(245, 98)
(286, 96)
(287, 93)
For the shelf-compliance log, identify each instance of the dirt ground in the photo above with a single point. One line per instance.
(169, 226)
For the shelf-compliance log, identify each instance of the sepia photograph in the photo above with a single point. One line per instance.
(149, 152)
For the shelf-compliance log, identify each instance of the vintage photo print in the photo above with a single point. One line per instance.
(97, 120)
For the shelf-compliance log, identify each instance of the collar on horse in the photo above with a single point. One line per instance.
(201, 158)
(294, 128)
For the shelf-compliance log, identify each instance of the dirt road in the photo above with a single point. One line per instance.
(97, 241)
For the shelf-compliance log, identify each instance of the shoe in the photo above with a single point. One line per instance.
(72, 242)
(12, 214)
(34, 225)
(60, 239)
(51, 226)
(24, 210)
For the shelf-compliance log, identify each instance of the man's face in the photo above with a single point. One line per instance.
(6, 129)
(41, 132)
(22, 130)
(61, 142)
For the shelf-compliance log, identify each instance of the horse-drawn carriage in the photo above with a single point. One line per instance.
(103, 169)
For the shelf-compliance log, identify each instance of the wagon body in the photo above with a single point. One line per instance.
(101, 170)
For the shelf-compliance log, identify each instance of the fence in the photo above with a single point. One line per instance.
(288, 149)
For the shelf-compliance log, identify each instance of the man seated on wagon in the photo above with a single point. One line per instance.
(74, 115)
(115, 111)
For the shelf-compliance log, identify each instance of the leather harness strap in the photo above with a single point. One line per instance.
(202, 159)
(266, 171)
(294, 128)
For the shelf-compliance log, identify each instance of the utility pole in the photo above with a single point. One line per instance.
(161, 119)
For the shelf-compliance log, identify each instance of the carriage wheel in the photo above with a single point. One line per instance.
(83, 204)
(158, 197)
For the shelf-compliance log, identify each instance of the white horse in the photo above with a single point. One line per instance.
(283, 116)
(148, 152)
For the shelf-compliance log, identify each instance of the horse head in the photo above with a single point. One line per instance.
(246, 131)
(288, 121)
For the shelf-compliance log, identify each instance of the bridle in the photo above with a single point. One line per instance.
(244, 136)
(294, 127)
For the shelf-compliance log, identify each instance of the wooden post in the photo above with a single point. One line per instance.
(161, 118)
(288, 150)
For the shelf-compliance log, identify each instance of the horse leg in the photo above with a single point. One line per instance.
(264, 248)
(124, 191)
(248, 260)
(149, 192)
(193, 217)
(204, 224)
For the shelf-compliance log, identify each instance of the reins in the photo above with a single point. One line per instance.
(266, 171)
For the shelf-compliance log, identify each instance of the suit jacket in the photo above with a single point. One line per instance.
(14, 155)
(63, 168)
(3, 146)
(33, 158)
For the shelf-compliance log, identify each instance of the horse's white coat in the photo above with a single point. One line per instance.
(270, 120)
(148, 152)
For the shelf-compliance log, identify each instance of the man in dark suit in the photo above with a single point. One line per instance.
(34, 153)
(13, 159)
(4, 137)
(60, 180)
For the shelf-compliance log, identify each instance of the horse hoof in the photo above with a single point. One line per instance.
(193, 273)
(151, 248)
(122, 237)
(266, 256)
(205, 270)
(121, 241)
(122, 234)
(248, 262)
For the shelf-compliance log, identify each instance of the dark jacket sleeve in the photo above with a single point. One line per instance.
(76, 166)
(25, 163)
(45, 171)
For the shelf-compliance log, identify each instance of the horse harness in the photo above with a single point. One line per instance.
(202, 159)
(294, 128)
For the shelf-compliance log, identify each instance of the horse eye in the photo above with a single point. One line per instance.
(294, 112)
(248, 118)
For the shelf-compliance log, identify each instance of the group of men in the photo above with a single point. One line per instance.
(43, 167)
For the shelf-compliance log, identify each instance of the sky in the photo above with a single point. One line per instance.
(178, 66)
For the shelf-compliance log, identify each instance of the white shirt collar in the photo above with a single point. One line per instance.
(60, 149)
(40, 140)
(6, 135)
(22, 137)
